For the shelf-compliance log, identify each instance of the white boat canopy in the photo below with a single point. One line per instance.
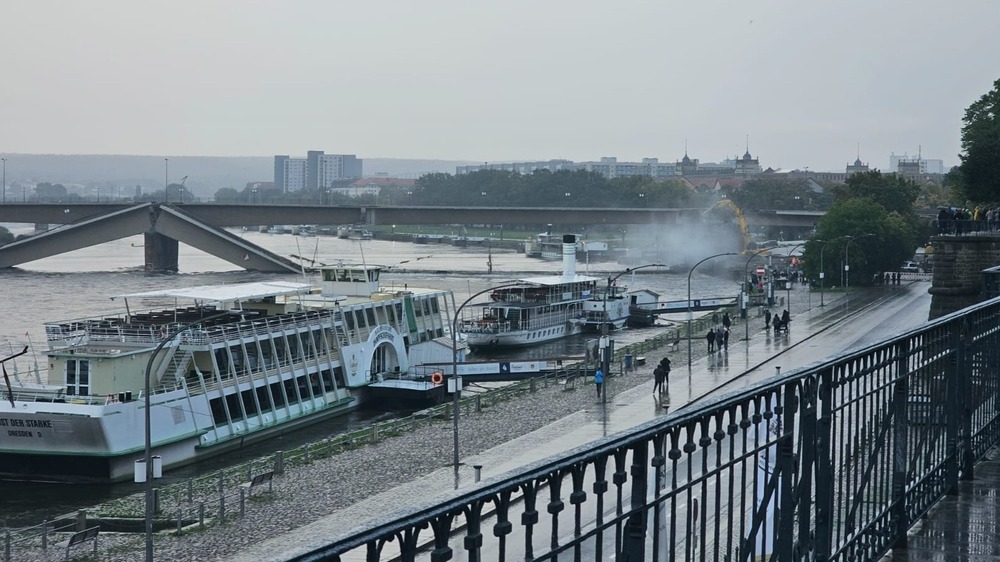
(550, 280)
(226, 293)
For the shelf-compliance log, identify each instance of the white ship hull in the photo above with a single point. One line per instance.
(218, 386)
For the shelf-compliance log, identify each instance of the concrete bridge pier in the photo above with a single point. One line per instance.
(161, 252)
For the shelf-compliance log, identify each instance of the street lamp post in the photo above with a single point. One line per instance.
(689, 298)
(148, 456)
(822, 272)
(746, 303)
(456, 395)
(847, 260)
(606, 321)
(788, 279)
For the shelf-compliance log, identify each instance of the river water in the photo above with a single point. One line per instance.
(79, 284)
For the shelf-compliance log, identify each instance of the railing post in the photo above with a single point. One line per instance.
(279, 462)
(634, 542)
(201, 515)
(45, 534)
(955, 419)
(967, 459)
(786, 466)
(899, 522)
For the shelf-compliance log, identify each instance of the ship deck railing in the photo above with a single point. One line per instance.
(109, 331)
(492, 326)
(261, 327)
(231, 377)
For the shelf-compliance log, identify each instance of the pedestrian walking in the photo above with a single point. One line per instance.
(785, 318)
(767, 318)
(599, 381)
(720, 334)
(725, 339)
(658, 378)
(710, 336)
(726, 321)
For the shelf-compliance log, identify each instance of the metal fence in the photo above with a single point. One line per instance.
(832, 462)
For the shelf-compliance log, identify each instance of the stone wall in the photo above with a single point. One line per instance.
(958, 265)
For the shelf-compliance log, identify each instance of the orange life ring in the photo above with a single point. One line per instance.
(437, 377)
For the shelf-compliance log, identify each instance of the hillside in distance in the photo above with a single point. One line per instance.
(205, 174)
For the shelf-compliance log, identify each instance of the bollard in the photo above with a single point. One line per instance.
(45, 534)
(243, 498)
(777, 370)
(279, 462)
(374, 433)
(81, 520)
(201, 515)
(479, 471)
(479, 403)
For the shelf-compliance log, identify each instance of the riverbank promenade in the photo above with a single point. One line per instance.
(962, 527)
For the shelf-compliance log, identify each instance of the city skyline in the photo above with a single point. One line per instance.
(799, 86)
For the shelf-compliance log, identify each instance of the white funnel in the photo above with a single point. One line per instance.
(569, 255)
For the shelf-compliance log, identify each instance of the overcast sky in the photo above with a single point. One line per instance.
(505, 80)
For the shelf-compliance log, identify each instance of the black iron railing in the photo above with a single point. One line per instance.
(832, 462)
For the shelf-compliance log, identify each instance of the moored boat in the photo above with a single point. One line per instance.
(227, 365)
(541, 309)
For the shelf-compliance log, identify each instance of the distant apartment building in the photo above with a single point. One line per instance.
(915, 165)
(316, 171)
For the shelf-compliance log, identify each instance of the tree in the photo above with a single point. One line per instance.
(5, 236)
(893, 240)
(981, 148)
(50, 191)
(892, 191)
(228, 195)
(794, 194)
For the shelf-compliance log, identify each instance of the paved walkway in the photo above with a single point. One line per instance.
(813, 336)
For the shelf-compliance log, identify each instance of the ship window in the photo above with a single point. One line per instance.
(78, 377)
(218, 412)
(233, 403)
(263, 399)
(290, 390)
(279, 399)
(249, 406)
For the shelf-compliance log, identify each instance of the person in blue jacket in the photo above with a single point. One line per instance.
(599, 380)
